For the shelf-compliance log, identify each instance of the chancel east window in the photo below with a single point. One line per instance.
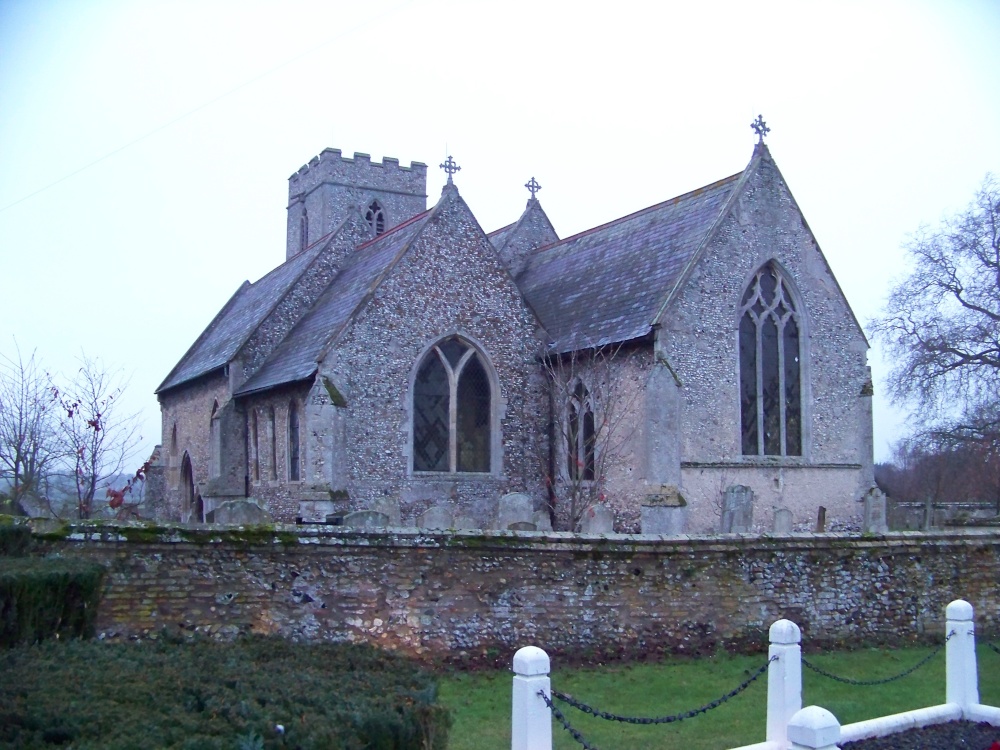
(452, 410)
(770, 368)
(580, 435)
(375, 217)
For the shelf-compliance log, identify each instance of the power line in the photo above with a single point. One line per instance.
(210, 102)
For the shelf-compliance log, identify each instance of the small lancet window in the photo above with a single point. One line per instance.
(375, 216)
(581, 436)
(255, 445)
(293, 442)
(274, 444)
(452, 410)
(304, 230)
(770, 369)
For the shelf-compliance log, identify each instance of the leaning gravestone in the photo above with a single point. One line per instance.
(438, 517)
(875, 520)
(366, 519)
(782, 521)
(597, 519)
(737, 510)
(515, 507)
(241, 511)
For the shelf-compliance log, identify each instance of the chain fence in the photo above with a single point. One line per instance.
(571, 701)
(883, 681)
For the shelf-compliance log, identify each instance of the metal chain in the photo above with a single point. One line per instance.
(663, 719)
(993, 648)
(883, 681)
(565, 722)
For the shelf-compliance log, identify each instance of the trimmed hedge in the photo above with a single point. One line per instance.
(15, 538)
(250, 694)
(47, 597)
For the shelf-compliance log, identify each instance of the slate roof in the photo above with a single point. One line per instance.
(296, 358)
(608, 284)
(240, 317)
(499, 236)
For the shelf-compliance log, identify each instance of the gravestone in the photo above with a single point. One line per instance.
(597, 519)
(737, 509)
(542, 520)
(241, 511)
(521, 526)
(821, 520)
(875, 519)
(782, 521)
(663, 512)
(390, 507)
(438, 517)
(366, 519)
(515, 507)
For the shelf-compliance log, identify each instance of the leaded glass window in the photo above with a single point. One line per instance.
(452, 410)
(375, 216)
(770, 368)
(580, 436)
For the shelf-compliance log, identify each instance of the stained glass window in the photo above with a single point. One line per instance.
(452, 410)
(770, 372)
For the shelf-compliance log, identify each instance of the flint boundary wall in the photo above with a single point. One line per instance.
(472, 595)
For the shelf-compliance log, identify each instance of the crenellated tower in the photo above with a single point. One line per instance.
(323, 191)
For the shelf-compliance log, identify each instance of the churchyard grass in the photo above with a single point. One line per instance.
(480, 702)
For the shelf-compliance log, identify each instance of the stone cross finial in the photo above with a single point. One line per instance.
(450, 167)
(760, 128)
(533, 187)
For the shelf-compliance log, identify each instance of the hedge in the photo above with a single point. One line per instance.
(255, 693)
(47, 598)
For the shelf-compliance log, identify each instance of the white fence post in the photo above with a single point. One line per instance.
(961, 671)
(814, 728)
(784, 679)
(530, 718)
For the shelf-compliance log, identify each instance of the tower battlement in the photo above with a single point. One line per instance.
(328, 186)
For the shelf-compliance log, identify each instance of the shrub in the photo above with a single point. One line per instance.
(15, 539)
(217, 695)
(47, 597)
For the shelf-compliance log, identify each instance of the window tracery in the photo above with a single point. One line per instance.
(452, 410)
(375, 216)
(770, 367)
(581, 436)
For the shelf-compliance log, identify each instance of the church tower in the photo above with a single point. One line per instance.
(323, 191)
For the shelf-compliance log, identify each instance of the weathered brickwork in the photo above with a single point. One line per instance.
(700, 340)
(450, 282)
(450, 595)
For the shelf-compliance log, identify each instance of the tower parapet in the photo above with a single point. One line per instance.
(323, 191)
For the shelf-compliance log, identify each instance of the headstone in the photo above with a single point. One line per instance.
(737, 509)
(597, 519)
(463, 521)
(438, 517)
(821, 520)
(875, 519)
(542, 520)
(390, 507)
(366, 519)
(241, 511)
(664, 512)
(782, 521)
(515, 507)
(521, 526)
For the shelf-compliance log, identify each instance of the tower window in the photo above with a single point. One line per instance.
(304, 230)
(452, 410)
(770, 370)
(375, 216)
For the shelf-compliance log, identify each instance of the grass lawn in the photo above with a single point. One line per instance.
(480, 702)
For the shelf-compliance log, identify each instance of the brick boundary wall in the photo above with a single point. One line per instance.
(475, 596)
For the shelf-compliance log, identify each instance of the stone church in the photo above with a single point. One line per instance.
(648, 371)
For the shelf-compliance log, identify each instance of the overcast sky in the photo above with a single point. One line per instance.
(145, 146)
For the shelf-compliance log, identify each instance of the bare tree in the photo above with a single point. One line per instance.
(27, 428)
(98, 440)
(592, 400)
(941, 327)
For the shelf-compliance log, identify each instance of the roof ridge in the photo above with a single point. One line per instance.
(647, 209)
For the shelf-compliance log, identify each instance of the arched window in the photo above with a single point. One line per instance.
(375, 216)
(770, 371)
(304, 230)
(186, 487)
(214, 441)
(293, 442)
(255, 445)
(452, 410)
(273, 439)
(580, 436)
